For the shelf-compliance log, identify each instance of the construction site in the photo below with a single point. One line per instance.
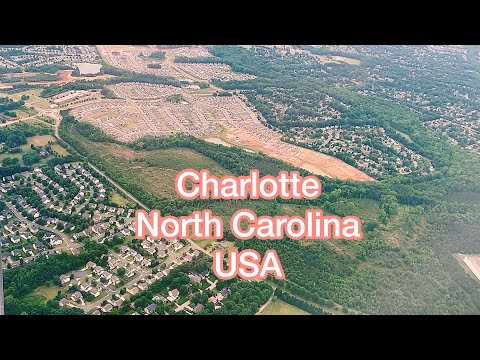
(137, 59)
(146, 109)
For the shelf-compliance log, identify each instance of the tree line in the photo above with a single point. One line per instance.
(292, 300)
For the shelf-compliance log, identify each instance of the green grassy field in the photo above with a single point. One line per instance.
(24, 112)
(48, 293)
(119, 199)
(37, 141)
(405, 136)
(18, 156)
(154, 170)
(34, 121)
(204, 243)
(35, 299)
(60, 150)
(42, 294)
(34, 95)
(279, 307)
(33, 100)
(46, 119)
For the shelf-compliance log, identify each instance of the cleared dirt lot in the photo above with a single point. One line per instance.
(317, 163)
(473, 263)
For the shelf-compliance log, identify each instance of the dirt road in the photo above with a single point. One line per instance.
(259, 312)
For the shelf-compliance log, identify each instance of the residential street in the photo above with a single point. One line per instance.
(125, 192)
(71, 245)
(198, 247)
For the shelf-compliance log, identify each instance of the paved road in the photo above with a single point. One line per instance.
(71, 245)
(56, 115)
(18, 120)
(135, 280)
(125, 192)
(183, 306)
(329, 138)
(259, 312)
(81, 206)
(198, 247)
(110, 293)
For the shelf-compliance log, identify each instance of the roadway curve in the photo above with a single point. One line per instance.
(259, 312)
(71, 245)
(58, 119)
(125, 192)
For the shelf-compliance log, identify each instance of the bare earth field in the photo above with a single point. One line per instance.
(38, 140)
(317, 163)
(336, 59)
(64, 76)
(473, 263)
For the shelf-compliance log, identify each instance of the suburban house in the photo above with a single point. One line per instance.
(143, 286)
(150, 309)
(133, 290)
(107, 308)
(76, 296)
(198, 308)
(173, 295)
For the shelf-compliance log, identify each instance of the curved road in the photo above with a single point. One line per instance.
(71, 245)
(259, 312)
(55, 114)
(125, 192)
